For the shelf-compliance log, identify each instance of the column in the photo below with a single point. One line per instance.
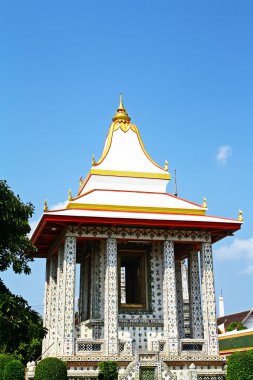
(180, 301)
(53, 306)
(46, 319)
(196, 319)
(169, 298)
(208, 300)
(96, 283)
(111, 299)
(60, 301)
(81, 307)
(69, 271)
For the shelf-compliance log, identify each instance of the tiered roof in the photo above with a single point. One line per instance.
(126, 187)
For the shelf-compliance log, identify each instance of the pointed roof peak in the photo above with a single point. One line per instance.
(121, 113)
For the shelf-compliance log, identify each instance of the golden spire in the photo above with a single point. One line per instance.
(121, 105)
(204, 204)
(70, 198)
(121, 113)
(45, 208)
(93, 161)
(240, 216)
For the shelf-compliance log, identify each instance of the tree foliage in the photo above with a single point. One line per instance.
(4, 360)
(21, 328)
(14, 370)
(51, 368)
(15, 247)
(236, 326)
(240, 366)
(109, 369)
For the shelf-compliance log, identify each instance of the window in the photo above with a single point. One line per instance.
(132, 279)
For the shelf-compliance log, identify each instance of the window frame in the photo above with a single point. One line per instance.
(143, 255)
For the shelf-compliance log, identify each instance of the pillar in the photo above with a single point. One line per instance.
(208, 300)
(180, 301)
(60, 300)
(68, 312)
(111, 299)
(169, 298)
(196, 320)
(53, 306)
(46, 319)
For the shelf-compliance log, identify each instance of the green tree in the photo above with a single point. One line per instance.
(16, 249)
(21, 328)
(109, 369)
(51, 368)
(240, 366)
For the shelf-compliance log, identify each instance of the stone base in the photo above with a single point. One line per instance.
(146, 365)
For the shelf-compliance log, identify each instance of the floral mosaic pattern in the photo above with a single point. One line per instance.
(162, 319)
(122, 232)
(46, 305)
(53, 304)
(170, 302)
(69, 307)
(111, 298)
(208, 299)
(195, 296)
(60, 300)
(180, 302)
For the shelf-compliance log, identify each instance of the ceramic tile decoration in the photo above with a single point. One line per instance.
(131, 239)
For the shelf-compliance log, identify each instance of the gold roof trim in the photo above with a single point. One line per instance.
(135, 209)
(119, 173)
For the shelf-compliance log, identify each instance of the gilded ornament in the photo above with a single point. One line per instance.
(166, 165)
(45, 209)
(240, 216)
(121, 113)
(204, 204)
(70, 198)
(81, 181)
(93, 162)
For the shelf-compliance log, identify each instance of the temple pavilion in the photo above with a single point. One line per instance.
(128, 238)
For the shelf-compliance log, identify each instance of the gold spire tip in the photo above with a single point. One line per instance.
(70, 198)
(121, 105)
(121, 113)
(45, 208)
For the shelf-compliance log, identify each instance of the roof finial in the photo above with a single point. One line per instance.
(240, 216)
(121, 105)
(45, 208)
(204, 204)
(175, 183)
(121, 113)
(70, 198)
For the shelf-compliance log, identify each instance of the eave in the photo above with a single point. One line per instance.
(52, 226)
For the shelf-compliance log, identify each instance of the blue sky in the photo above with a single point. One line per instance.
(185, 69)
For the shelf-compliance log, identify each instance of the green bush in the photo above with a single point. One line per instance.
(14, 370)
(51, 369)
(109, 369)
(240, 366)
(4, 360)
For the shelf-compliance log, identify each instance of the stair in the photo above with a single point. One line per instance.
(147, 360)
